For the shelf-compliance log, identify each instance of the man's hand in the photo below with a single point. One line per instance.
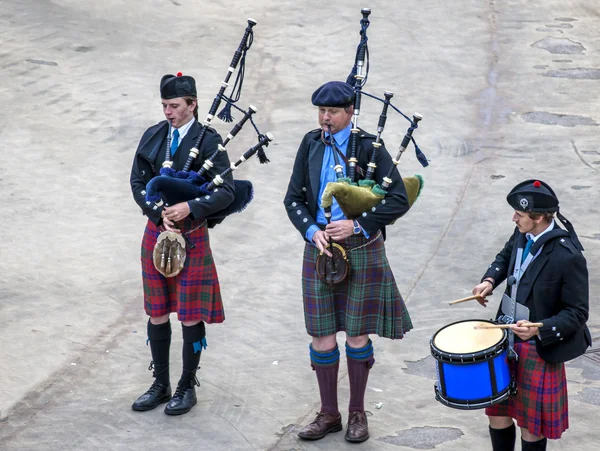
(340, 230)
(170, 226)
(321, 240)
(177, 212)
(482, 290)
(524, 333)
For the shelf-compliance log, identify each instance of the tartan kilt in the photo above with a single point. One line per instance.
(367, 302)
(541, 404)
(194, 293)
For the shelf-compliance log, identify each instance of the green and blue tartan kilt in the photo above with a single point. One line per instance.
(367, 302)
(541, 403)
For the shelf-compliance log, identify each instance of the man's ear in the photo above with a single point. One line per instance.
(539, 220)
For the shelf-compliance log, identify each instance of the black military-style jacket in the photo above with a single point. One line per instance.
(301, 200)
(150, 155)
(555, 288)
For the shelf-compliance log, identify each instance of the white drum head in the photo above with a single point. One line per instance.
(463, 338)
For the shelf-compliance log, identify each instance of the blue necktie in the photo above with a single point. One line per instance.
(174, 142)
(526, 250)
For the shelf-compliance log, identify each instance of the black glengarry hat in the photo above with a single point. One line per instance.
(337, 94)
(173, 86)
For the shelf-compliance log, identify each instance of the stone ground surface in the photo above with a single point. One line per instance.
(509, 91)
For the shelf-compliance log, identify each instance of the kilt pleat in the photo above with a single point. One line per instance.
(194, 294)
(368, 302)
(541, 402)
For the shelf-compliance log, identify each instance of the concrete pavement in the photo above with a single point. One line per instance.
(509, 90)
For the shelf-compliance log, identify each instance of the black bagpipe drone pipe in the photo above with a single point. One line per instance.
(172, 187)
(355, 197)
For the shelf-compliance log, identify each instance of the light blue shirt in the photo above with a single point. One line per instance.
(182, 130)
(328, 175)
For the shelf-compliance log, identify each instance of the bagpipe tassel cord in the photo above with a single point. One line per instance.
(225, 114)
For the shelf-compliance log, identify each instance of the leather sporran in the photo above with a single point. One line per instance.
(169, 253)
(335, 269)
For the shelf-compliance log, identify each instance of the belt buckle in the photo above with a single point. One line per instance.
(507, 319)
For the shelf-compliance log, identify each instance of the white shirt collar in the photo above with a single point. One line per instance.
(530, 236)
(183, 129)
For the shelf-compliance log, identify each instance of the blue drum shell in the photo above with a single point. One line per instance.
(475, 380)
(474, 383)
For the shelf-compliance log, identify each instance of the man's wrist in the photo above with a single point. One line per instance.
(490, 280)
(310, 233)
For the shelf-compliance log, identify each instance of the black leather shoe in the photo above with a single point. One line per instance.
(182, 401)
(156, 395)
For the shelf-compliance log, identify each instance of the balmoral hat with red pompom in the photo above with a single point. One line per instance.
(537, 196)
(533, 195)
(173, 86)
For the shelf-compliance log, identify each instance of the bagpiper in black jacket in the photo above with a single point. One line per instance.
(150, 155)
(301, 200)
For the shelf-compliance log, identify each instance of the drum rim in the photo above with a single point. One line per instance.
(472, 404)
(470, 357)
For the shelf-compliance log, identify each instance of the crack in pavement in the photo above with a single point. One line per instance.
(581, 157)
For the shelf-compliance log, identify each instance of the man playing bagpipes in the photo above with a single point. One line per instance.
(182, 180)
(194, 294)
(367, 300)
(547, 283)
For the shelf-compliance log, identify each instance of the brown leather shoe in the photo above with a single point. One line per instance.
(324, 424)
(358, 428)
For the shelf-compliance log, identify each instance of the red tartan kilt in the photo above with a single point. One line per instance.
(194, 294)
(540, 405)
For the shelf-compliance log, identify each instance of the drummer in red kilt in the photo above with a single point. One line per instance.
(547, 283)
(368, 301)
(194, 293)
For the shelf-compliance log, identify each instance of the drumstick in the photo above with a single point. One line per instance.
(469, 298)
(507, 326)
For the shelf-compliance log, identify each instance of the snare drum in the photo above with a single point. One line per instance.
(472, 365)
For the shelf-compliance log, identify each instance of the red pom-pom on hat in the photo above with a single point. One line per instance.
(179, 74)
(537, 184)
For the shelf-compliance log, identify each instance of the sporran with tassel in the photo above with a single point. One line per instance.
(169, 253)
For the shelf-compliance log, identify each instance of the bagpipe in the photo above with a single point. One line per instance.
(358, 196)
(172, 187)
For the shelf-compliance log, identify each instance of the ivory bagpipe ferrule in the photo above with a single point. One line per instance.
(238, 53)
(356, 198)
(407, 138)
(219, 97)
(235, 130)
(360, 78)
(168, 163)
(377, 143)
(330, 140)
(168, 190)
(222, 147)
(219, 179)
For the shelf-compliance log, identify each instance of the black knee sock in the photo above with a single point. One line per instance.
(503, 439)
(193, 342)
(159, 337)
(540, 445)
